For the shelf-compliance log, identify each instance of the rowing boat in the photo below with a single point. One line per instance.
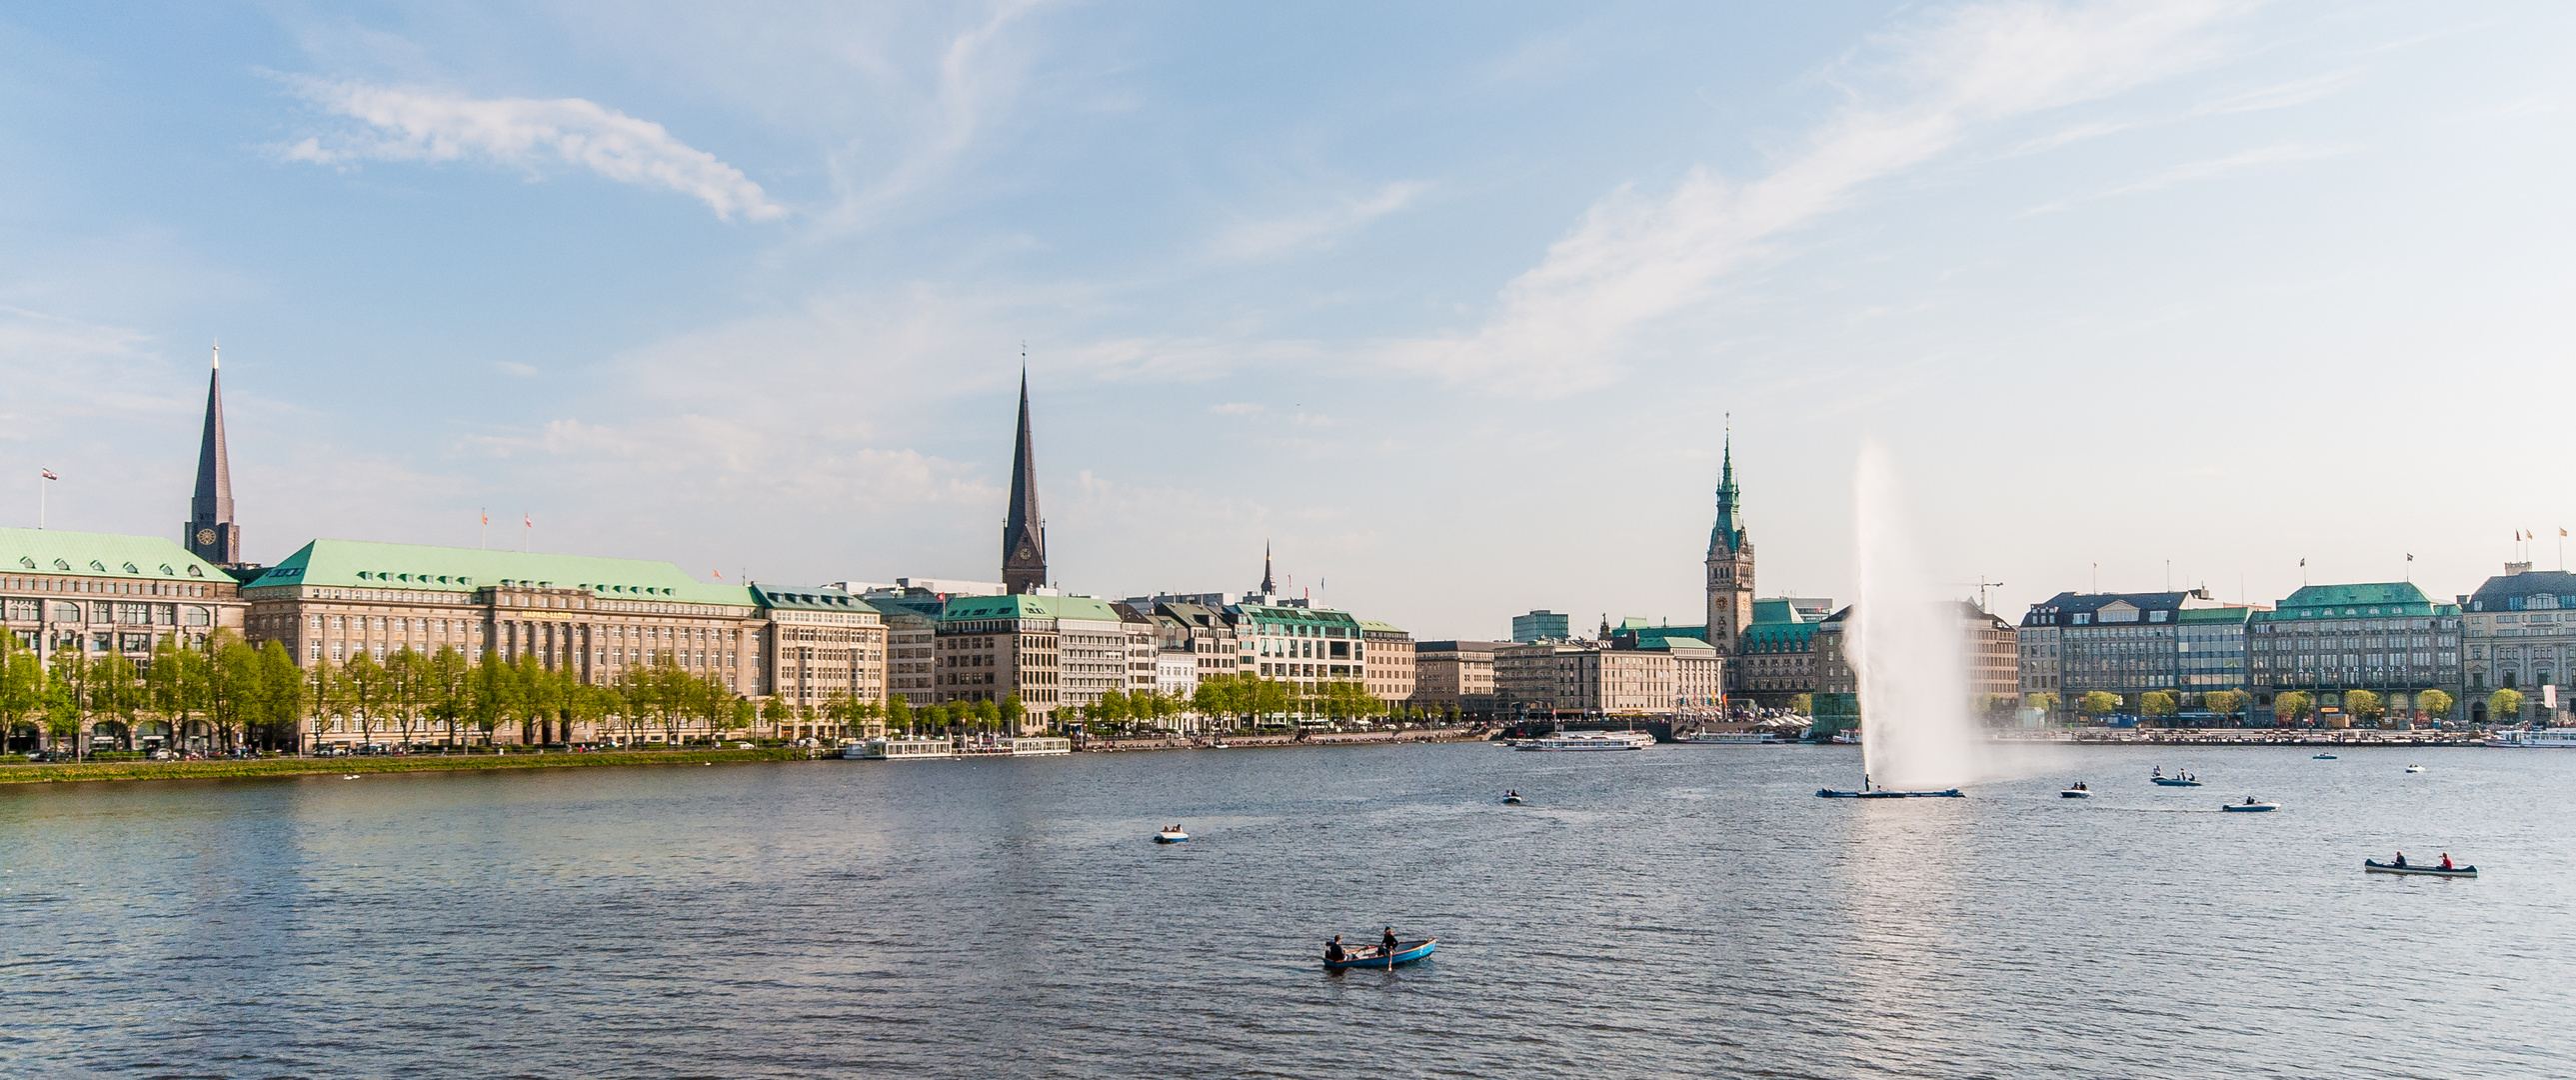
(1406, 952)
(2171, 781)
(2373, 866)
(2250, 807)
(2075, 793)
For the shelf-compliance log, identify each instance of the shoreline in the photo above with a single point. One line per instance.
(1338, 738)
(82, 772)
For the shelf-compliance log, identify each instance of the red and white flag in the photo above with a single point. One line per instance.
(719, 575)
(49, 474)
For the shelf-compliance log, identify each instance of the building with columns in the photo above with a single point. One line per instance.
(595, 618)
(101, 594)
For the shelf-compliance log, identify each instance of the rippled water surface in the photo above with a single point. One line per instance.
(1681, 910)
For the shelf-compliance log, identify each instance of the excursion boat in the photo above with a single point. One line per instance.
(1039, 745)
(900, 750)
(1734, 738)
(1406, 952)
(2249, 806)
(1171, 835)
(2557, 738)
(2374, 866)
(1847, 738)
(1589, 740)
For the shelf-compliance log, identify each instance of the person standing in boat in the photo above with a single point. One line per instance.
(1388, 942)
(1333, 953)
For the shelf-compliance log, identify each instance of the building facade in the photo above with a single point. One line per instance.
(1052, 652)
(1776, 656)
(821, 643)
(1386, 666)
(1304, 645)
(1583, 678)
(2123, 644)
(1455, 674)
(100, 594)
(2521, 630)
(2384, 637)
(1990, 653)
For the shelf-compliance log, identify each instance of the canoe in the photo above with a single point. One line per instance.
(2167, 781)
(2322, 757)
(2370, 866)
(1879, 793)
(2250, 808)
(2071, 793)
(1406, 952)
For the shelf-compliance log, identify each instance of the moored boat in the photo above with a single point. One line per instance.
(2559, 738)
(2374, 866)
(1405, 952)
(1581, 741)
(1733, 738)
(901, 750)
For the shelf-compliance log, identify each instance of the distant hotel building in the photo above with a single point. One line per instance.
(2522, 636)
(1456, 674)
(2385, 637)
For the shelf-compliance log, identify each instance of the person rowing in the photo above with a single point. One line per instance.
(2446, 861)
(1333, 953)
(2401, 861)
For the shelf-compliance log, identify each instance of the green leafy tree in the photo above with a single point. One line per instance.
(2296, 706)
(745, 715)
(2098, 704)
(2434, 703)
(364, 689)
(2225, 703)
(1803, 704)
(899, 713)
(779, 714)
(495, 697)
(2043, 701)
(1015, 714)
(2364, 705)
(2504, 706)
(22, 684)
(2156, 704)
(278, 695)
(67, 696)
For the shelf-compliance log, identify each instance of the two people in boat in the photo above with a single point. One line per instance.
(2249, 800)
(2401, 861)
(2077, 786)
(1334, 953)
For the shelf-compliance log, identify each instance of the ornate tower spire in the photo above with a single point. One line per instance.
(1024, 567)
(210, 533)
(1266, 587)
(1730, 564)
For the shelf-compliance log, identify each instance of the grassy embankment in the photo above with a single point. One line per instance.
(26, 773)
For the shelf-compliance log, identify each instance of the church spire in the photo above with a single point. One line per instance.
(1024, 566)
(210, 533)
(1728, 534)
(1266, 587)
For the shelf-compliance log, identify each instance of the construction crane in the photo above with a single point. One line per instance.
(1981, 585)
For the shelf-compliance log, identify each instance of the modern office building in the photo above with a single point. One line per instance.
(1542, 625)
(1585, 679)
(1305, 645)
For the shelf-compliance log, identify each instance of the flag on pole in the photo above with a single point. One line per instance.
(487, 517)
(720, 574)
(528, 520)
(49, 474)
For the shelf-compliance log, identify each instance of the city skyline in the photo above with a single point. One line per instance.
(2074, 309)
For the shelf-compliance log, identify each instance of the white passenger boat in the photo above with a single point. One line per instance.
(1589, 740)
(1733, 738)
(2558, 738)
(900, 750)
(1039, 746)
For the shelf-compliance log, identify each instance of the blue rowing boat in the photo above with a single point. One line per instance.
(1406, 952)
(2174, 781)
(1881, 793)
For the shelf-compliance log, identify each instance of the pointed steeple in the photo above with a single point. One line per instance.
(210, 533)
(1266, 587)
(1024, 566)
(1728, 534)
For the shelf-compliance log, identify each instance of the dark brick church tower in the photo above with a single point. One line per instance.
(1024, 567)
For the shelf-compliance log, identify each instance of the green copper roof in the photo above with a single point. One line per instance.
(2378, 598)
(1778, 637)
(1026, 606)
(1654, 637)
(2213, 615)
(1384, 628)
(1780, 610)
(360, 564)
(53, 551)
(1284, 614)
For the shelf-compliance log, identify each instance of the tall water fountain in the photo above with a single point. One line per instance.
(1907, 644)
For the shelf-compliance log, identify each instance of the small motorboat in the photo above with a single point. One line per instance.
(2374, 866)
(1405, 952)
(2174, 781)
(2249, 806)
(2414, 768)
(2322, 757)
(1511, 798)
(2075, 793)
(1171, 835)
(1220, 744)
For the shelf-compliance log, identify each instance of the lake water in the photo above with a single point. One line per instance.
(1681, 910)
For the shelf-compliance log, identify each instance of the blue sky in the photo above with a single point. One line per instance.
(1449, 303)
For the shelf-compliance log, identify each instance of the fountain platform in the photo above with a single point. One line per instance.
(1829, 793)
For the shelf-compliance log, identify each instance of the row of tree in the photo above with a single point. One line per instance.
(1247, 700)
(2295, 706)
(257, 696)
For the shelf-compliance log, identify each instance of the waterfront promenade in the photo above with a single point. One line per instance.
(63, 772)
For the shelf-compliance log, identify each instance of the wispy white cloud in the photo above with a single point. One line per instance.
(1235, 408)
(1636, 258)
(1278, 236)
(2297, 92)
(423, 125)
(2284, 154)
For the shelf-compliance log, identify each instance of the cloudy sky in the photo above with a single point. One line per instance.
(1449, 303)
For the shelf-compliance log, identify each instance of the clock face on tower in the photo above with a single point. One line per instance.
(1027, 551)
(205, 538)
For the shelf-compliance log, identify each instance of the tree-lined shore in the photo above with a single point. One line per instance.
(61, 772)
